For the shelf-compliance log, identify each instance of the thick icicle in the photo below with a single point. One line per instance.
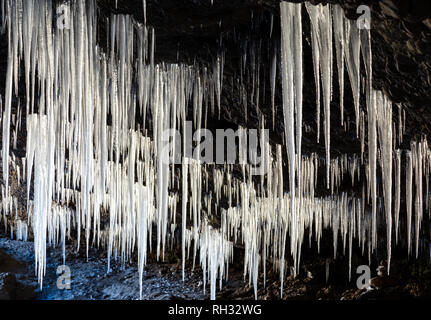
(321, 22)
(289, 73)
(352, 53)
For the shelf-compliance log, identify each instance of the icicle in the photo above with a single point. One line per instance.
(397, 191)
(321, 22)
(372, 160)
(7, 115)
(117, 169)
(298, 82)
(400, 126)
(288, 25)
(353, 50)
(365, 44)
(384, 122)
(144, 5)
(339, 21)
(273, 79)
(409, 181)
(418, 161)
(185, 178)
(312, 11)
(43, 188)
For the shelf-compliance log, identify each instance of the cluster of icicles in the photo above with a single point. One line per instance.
(88, 155)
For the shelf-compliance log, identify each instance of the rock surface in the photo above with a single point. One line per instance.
(163, 281)
(89, 279)
(7, 286)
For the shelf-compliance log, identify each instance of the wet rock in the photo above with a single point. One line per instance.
(383, 282)
(427, 22)
(9, 264)
(352, 294)
(389, 8)
(325, 293)
(162, 271)
(414, 289)
(392, 293)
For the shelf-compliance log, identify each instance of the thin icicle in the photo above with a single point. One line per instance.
(409, 182)
(289, 73)
(397, 192)
(339, 39)
(372, 160)
(273, 81)
(185, 178)
(352, 53)
(6, 118)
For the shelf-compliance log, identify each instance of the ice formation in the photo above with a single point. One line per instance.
(321, 23)
(87, 150)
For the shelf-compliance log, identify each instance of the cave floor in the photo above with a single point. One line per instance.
(89, 280)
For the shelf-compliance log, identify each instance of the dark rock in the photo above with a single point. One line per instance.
(8, 286)
(388, 8)
(383, 282)
(427, 22)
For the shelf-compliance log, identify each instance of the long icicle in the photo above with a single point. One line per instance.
(287, 27)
